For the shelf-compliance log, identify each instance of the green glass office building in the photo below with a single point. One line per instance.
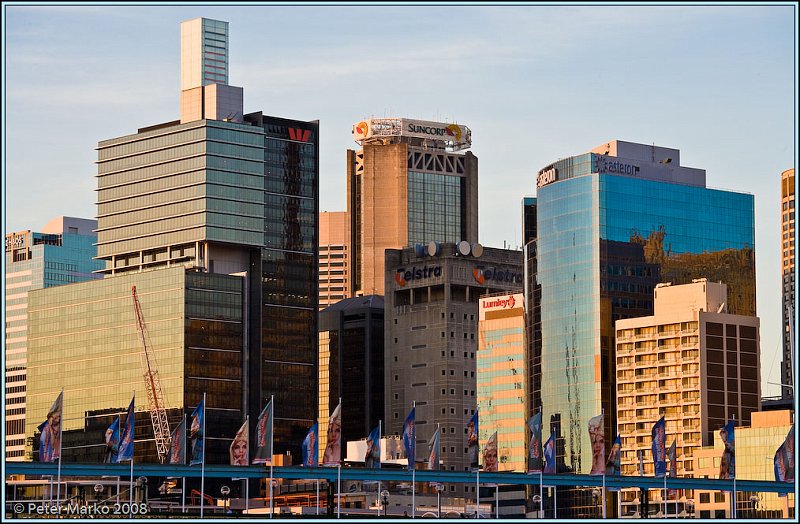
(217, 213)
(610, 225)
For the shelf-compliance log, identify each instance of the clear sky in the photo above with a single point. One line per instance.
(533, 83)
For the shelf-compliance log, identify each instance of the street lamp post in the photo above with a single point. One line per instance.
(142, 481)
(439, 489)
(98, 489)
(385, 500)
(225, 491)
(538, 499)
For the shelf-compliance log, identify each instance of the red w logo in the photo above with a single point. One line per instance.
(301, 135)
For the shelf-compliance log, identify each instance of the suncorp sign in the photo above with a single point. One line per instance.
(430, 129)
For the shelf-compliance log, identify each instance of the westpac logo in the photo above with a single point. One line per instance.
(301, 135)
(482, 275)
(500, 302)
(403, 276)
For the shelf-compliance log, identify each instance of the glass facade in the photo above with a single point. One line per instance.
(502, 378)
(603, 243)
(434, 207)
(178, 185)
(288, 277)
(36, 261)
(351, 366)
(194, 323)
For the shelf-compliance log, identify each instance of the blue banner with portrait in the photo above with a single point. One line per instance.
(727, 465)
(410, 438)
(372, 458)
(659, 447)
(550, 455)
(535, 444)
(311, 448)
(126, 435)
(112, 442)
(472, 442)
(196, 433)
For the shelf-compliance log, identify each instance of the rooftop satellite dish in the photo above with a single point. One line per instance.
(434, 248)
(463, 248)
(477, 250)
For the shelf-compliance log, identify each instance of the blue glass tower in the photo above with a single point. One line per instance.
(611, 224)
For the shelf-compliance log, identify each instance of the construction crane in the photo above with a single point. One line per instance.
(155, 397)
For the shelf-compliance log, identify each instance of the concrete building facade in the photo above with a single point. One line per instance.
(788, 282)
(407, 185)
(693, 363)
(334, 258)
(432, 340)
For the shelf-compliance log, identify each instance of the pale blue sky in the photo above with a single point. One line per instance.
(534, 84)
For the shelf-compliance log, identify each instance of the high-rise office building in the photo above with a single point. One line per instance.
(692, 363)
(611, 224)
(431, 340)
(502, 377)
(334, 258)
(788, 281)
(351, 366)
(407, 185)
(62, 252)
(221, 193)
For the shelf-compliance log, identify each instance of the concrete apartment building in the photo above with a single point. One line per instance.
(407, 185)
(432, 339)
(788, 283)
(334, 258)
(693, 363)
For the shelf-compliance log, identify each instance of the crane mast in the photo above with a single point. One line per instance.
(155, 396)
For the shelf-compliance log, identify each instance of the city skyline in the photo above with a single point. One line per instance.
(715, 82)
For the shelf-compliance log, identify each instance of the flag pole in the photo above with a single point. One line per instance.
(203, 463)
(246, 481)
(339, 469)
(60, 453)
(183, 445)
(413, 463)
(133, 434)
(378, 493)
(665, 495)
(477, 491)
(541, 493)
(555, 502)
(733, 463)
(604, 494)
(271, 450)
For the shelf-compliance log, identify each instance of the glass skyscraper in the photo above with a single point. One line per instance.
(611, 224)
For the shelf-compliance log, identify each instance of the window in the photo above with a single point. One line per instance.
(705, 498)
